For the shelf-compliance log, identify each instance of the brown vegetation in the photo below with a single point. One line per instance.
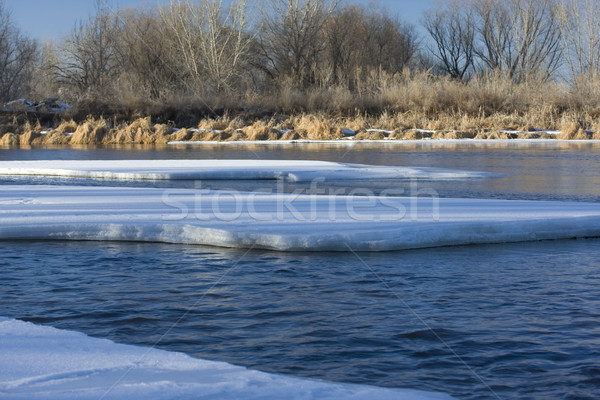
(309, 69)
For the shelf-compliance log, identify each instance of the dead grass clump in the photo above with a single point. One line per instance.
(163, 129)
(568, 131)
(449, 135)
(212, 136)
(162, 133)
(544, 135)
(454, 134)
(291, 135)
(224, 135)
(217, 124)
(376, 135)
(237, 123)
(67, 127)
(92, 131)
(139, 131)
(580, 134)
(497, 135)
(9, 139)
(411, 135)
(180, 135)
(358, 123)
(29, 138)
(397, 134)
(316, 127)
(30, 134)
(573, 128)
(54, 137)
(200, 136)
(237, 136)
(260, 130)
(526, 128)
(465, 134)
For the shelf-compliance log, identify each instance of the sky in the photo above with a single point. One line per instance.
(43, 19)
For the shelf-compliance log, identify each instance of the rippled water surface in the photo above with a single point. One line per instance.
(499, 321)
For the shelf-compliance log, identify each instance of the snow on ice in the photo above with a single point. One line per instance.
(290, 222)
(40, 362)
(225, 170)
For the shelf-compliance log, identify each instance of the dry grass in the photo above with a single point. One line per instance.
(67, 126)
(91, 131)
(9, 139)
(401, 103)
(261, 130)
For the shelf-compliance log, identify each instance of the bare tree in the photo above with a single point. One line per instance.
(580, 28)
(392, 44)
(44, 82)
(17, 58)
(357, 41)
(212, 42)
(452, 28)
(144, 55)
(88, 56)
(342, 34)
(520, 38)
(292, 37)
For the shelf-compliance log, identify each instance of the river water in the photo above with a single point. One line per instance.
(512, 321)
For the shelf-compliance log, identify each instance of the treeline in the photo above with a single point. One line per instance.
(307, 55)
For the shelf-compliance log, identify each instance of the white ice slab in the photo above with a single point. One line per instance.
(39, 362)
(226, 170)
(289, 222)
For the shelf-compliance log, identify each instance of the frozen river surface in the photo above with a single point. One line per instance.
(482, 321)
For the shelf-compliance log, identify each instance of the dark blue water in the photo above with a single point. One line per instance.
(518, 321)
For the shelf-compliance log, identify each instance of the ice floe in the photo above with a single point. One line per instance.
(226, 170)
(288, 222)
(40, 362)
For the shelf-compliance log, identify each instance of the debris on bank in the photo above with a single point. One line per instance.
(49, 105)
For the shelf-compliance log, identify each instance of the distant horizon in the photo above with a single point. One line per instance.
(42, 20)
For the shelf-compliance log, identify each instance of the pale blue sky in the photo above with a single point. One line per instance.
(41, 19)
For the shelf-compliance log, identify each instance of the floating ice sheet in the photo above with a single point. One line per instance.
(289, 222)
(226, 170)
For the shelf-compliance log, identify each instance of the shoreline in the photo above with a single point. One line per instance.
(364, 141)
(300, 128)
(58, 138)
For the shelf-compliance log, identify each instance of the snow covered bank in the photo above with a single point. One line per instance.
(290, 222)
(398, 142)
(226, 170)
(40, 362)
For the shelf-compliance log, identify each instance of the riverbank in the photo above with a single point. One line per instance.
(315, 127)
